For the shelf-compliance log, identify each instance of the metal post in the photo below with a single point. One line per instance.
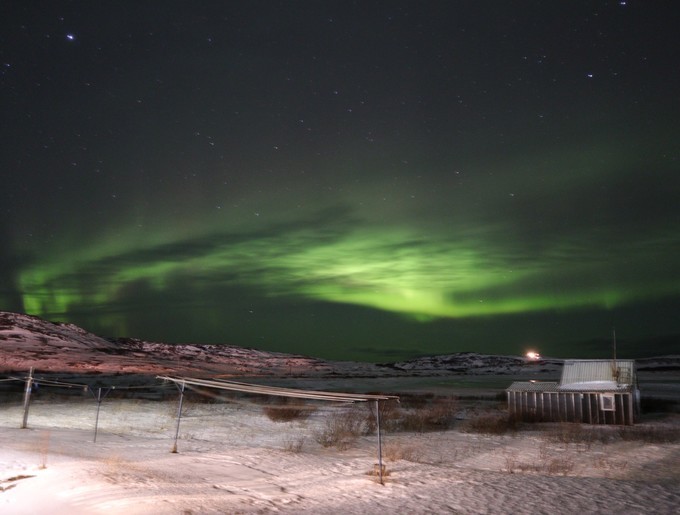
(380, 463)
(179, 414)
(96, 421)
(27, 397)
(99, 398)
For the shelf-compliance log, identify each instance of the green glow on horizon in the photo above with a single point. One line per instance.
(434, 253)
(390, 269)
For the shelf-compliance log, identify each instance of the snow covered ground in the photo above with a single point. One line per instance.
(233, 459)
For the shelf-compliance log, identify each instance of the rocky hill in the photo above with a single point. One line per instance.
(27, 341)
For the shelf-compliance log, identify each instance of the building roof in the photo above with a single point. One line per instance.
(586, 375)
(532, 386)
(597, 375)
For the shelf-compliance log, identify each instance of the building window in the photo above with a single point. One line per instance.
(607, 402)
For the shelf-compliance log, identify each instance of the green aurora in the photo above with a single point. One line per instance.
(374, 181)
(455, 263)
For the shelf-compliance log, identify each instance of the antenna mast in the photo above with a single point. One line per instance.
(615, 368)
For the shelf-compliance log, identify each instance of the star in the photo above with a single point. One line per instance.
(396, 148)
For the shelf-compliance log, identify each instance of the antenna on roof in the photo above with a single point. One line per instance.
(615, 368)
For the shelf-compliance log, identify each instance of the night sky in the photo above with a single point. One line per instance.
(369, 180)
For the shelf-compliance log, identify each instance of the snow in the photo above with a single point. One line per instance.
(591, 386)
(233, 459)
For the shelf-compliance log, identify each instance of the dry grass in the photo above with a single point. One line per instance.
(650, 434)
(436, 415)
(491, 422)
(572, 433)
(375, 471)
(115, 468)
(44, 448)
(413, 413)
(283, 410)
(341, 428)
(545, 463)
(395, 451)
(389, 416)
(294, 444)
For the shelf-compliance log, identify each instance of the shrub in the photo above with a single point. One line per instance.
(554, 466)
(561, 466)
(389, 416)
(415, 400)
(44, 448)
(440, 414)
(294, 444)
(436, 415)
(566, 432)
(495, 423)
(284, 411)
(377, 472)
(650, 434)
(394, 451)
(341, 429)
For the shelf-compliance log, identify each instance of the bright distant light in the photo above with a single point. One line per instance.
(70, 37)
(533, 356)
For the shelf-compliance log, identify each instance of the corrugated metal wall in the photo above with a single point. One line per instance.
(583, 407)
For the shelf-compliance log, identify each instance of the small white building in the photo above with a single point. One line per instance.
(593, 391)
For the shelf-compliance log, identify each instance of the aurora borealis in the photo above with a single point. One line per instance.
(354, 180)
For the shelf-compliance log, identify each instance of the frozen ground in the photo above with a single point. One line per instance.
(233, 459)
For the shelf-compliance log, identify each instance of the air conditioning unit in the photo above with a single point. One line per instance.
(607, 402)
